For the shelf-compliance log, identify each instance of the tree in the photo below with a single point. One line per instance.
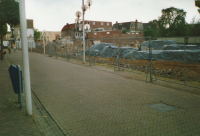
(9, 13)
(197, 4)
(36, 34)
(153, 30)
(172, 22)
(194, 27)
(5, 29)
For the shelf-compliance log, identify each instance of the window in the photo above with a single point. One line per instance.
(107, 24)
(81, 34)
(108, 32)
(93, 23)
(101, 23)
(123, 28)
(136, 33)
(77, 34)
(95, 33)
(47, 36)
(132, 33)
(88, 22)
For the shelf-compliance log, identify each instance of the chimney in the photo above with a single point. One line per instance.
(136, 24)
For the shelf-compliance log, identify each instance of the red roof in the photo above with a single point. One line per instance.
(68, 26)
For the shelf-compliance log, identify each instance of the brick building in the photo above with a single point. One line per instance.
(98, 25)
(112, 37)
(132, 26)
(74, 31)
(98, 31)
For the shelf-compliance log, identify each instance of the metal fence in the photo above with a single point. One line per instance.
(176, 63)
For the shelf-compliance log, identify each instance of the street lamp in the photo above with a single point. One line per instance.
(44, 32)
(84, 8)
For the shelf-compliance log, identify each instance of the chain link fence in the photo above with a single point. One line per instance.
(171, 59)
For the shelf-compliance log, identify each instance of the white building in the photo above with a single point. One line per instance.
(30, 35)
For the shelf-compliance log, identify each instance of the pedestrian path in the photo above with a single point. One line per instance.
(13, 120)
(87, 101)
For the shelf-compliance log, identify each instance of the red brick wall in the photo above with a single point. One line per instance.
(98, 24)
(103, 34)
(130, 41)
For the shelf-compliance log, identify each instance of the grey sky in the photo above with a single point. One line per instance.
(52, 15)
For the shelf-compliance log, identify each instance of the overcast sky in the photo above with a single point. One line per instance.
(52, 15)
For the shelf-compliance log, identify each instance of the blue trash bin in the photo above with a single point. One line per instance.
(13, 70)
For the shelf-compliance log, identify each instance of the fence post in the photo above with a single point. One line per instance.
(118, 56)
(150, 58)
(185, 43)
(89, 52)
(77, 51)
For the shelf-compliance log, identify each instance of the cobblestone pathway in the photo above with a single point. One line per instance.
(86, 101)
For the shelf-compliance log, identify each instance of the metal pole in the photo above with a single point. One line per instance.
(185, 42)
(20, 88)
(44, 41)
(150, 57)
(26, 70)
(83, 36)
(89, 52)
(118, 56)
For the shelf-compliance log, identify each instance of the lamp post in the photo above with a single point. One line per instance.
(27, 83)
(44, 32)
(84, 8)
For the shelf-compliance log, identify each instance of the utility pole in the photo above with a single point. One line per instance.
(26, 71)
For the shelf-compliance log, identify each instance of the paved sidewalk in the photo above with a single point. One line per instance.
(13, 120)
(87, 101)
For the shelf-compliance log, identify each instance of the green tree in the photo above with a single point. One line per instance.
(153, 30)
(5, 29)
(197, 4)
(194, 27)
(172, 22)
(9, 13)
(36, 34)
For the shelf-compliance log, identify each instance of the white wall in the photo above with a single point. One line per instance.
(30, 40)
(30, 32)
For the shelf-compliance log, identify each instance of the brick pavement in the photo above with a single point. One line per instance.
(88, 101)
(13, 120)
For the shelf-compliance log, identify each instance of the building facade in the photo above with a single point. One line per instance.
(99, 25)
(132, 26)
(30, 34)
(50, 36)
(98, 31)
